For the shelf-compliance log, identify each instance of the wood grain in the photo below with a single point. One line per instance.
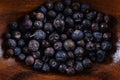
(11, 10)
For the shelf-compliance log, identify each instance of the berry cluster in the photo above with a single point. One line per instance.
(60, 36)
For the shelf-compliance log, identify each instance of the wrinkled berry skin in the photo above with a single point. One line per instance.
(98, 36)
(36, 54)
(69, 45)
(54, 37)
(11, 43)
(77, 35)
(49, 51)
(33, 45)
(61, 56)
(27, 24)
(38, 64)
(70, 70)
(78, 17)
(58, 46)
(39, 35)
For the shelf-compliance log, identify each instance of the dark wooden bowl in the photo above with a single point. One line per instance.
(11, 10)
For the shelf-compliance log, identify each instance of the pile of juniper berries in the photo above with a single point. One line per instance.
(60, 36)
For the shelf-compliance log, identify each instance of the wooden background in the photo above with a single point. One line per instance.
(11, 10)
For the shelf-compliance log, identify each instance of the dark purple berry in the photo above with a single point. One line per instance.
(77, 35)
(45, 44)
(52, 14)
(62, 68)
(63, 37)
(106, 45)
(81, 43)
(90, 46)
(91, 15)
(49, 51)
(59, 6)
(101, 55)
(86, 23)
(58, 45)
(85, 7)
(78, 66)
(68, 11)
(21, 57)
(45, 59)
(7, 35)
(69, 45)
(70, 63)
(48, 27)
(54, 37)
(33, 45)
(60, 16)
(79, 51)
(70, 55)
(107, 36)
(21, 43)
(87, 63)
(53, 64)
(76, 6)
(78, 16)
(38, 24)
(61, 56)
(40, 16)
(107, 18)
(42, 9)
(39, 35)
(89, 36)
(27, 23)
(38, 64)
(29, 60)
(11, 43)
(36, 54)
(97, 36)
(45, 67)
(69, 22)
(17, 51)
(16, 34)
(13, 26)
(95, 27)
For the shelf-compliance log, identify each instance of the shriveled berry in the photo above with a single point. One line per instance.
(87, 63)
(77, 35)
(40, 16)
(53, 63)
(45, 67)
(78, 16)
(54, 37)
(59, 6)
(79, 51)
(62, 68)
(29, 60)
(90, 46)
(58, 45)
(21, 57)
(11, 43)
(106, 45)
(38, 64)
(49, 51)
(36, 54)
(48, 27)
(17, 51)
(39, 35)
(27, 24)
(97, 36)
(61, 56)
(70, 70)
(60, 16)
(78, 66)
(101, 55)
(38, 24)
(33, 45)
(69, 45)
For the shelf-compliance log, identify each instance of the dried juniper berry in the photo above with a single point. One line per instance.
(53, 37)
(86, 23)
(27, 23)
(17, 51)
(89, 36)
(92, 56)
(58, 45)
(42, 9)
(29, 60)
(36, 54)
(68, 11)
(77, 35)
(40, 16)
(67, 2)
(69, 22)
(59, 24)
(90, 46)
(21, 57)
(76, 6)
(33, 45)
(62, 68)
(16, 34)
(100, 17)
(37, 64)
(78, 16)
(21, 43)
(101, 55)
(98, 36)
(91, 15)
(70, 70)
(53, 64)
(48, 27)
(58, 6)
(70, 55)
(51, 14)
(79, 51)
(13, 26)
(106, 45)
(49, 51)
(81, 43)
(85, 7)
(69, 45)
(95, 27)
(107, 36)
(11, 43)
(39, 35)
(87, 63)
(61, 56)
(45, 59)
(38, 24)
(45, 67)
(104, 27)
(70, 63)
(78, 66)
(60, 16)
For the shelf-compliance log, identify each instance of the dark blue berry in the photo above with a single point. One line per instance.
(38, 24)
(89, 36)
(11, 43)
(69, 45)
(78, 16)
(97, 36)
(52, 14)
(85, 7)
(79, 51)
(78, 66)
(77, 35)
(69, 22)
(81, 43)
(38, 64)
(70, 55)
(68, 11)
(58, 45)
(70, 70)
(106, 45)
(49, 52)
(54, 37)
(33, 45)
(39, 35)
(53, 64)
(21, 57)
(21, 43)
(63, 37)
(101, 55)
(62, 68)
(48, 27)
(87, 63)
(13, 26)
(86, 23)
(58, 6)
(90, 46)
(45, 44)
(42, 9)
(45, 67)
(61, 56)
(91, 15)
(17, 51)
(36, 54)
(60, 16)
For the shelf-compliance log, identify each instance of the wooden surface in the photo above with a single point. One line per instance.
(11, 10)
